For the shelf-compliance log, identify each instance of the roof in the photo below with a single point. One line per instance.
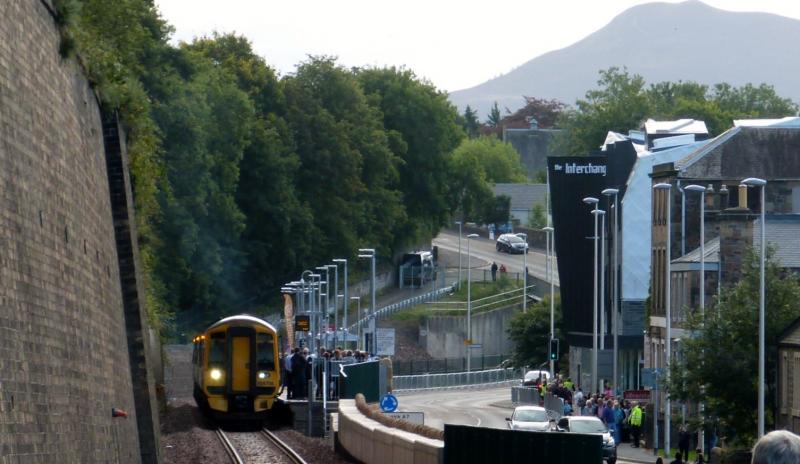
(784, 337)
(687, 262)
(789, 121)
(242, 318)
(523, 196)
(681, 126)
(746, 151)
(637, 220)
(783, 232)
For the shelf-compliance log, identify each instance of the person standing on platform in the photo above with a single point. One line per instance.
(636, 423)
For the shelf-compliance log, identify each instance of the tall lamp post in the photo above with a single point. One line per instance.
(458, 284)
(369, 253)
(525, 275)
(615, 288)
(551, 242)
(756, 182)
(358, 314)
(469, 303)
(594, 201)
(702, 191)
(346, 301)
(324, 310)
(335, 268)
(667, 188)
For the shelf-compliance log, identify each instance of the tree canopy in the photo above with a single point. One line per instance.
(719, 364)
(623, 101)
(243, 178)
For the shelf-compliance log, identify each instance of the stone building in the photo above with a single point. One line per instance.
(750, 149)
(788, 413)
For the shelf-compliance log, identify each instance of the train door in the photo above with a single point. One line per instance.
(240, 363)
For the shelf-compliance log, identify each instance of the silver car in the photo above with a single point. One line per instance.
(531, 418)
(511, 243)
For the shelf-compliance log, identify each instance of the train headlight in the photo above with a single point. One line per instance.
(215, 374)
(263, 375)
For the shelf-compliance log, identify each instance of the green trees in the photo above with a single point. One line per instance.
(477, 164)
(423, 131)
(719, 364)
(530, 332)
(623, 102)
(242, 178)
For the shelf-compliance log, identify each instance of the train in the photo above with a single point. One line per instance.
(237, 369)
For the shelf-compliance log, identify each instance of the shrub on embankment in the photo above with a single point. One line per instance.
(372, 411)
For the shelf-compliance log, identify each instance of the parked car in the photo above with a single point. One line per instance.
(511, 243)
(532, 418)
(531, 377)
(594, 426)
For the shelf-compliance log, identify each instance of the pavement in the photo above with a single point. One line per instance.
(626, 453)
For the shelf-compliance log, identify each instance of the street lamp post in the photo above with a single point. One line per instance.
(615, 287)
(594, 201)
(469, 303)
(458, 284)
(667, 306)
(702, 190)
(551, 242)
(755, 182)
(335, 268)
(369, 253)
(346, 301)
(358, 314)
(525, 276)
(324, 312)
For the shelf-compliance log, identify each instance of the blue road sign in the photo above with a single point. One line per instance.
(388, 403)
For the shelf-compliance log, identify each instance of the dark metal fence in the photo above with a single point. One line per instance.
(464, 444)
(447, 365)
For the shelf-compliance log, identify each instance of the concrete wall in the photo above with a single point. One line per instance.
(373, 443)
(444, 335)
(65, 306)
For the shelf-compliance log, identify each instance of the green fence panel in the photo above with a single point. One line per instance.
(465, 444)
(361, 378)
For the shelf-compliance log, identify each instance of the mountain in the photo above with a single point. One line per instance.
(661, 42)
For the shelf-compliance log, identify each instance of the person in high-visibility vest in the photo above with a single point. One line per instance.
(636, 423)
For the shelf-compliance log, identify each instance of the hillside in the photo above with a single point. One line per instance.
(660, 41)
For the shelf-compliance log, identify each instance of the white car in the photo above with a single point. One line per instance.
(531, 418)
(591, 425)
(532, 376)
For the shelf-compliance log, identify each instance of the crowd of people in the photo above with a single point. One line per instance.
(299, 365)
(622, 417)
(624, 420)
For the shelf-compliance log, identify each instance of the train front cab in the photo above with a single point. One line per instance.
(240, 378)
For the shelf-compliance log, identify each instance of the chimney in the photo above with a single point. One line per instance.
(723, 197)
(743, 196)
(710, 196)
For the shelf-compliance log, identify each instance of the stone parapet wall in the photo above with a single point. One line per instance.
(373, 443)
(64, 360)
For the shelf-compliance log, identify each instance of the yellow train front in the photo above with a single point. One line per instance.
(237, 371)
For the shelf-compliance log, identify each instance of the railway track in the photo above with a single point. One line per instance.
(261, 447)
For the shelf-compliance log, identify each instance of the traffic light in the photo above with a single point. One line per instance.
(554, 349)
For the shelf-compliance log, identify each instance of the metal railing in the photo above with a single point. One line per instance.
(407, 303)
(496, 301)
(455, 379)
(448, 365)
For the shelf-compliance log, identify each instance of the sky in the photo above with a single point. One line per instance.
(453, 44)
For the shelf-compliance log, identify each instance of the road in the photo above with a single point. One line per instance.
(480, 407)
(484, 249)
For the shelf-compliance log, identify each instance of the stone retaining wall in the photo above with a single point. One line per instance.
(373, 443)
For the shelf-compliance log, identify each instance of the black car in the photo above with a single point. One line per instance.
(511, 243)
(591, 425)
